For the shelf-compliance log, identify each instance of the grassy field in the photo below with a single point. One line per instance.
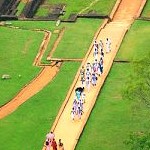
(32, 118)
(115, 116)
(73, 43)
(18, 50)
(53, 38)
(135, 49)
(26, 127)
(146, 11)
(76, 39)
(69, 47)
(100, 6)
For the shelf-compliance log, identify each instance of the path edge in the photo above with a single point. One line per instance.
(115, 8)
(99, 89)
(141, 8)
(76, 77)
(83, 62)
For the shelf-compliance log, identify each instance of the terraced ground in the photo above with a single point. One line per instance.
(113, 117)
(21, 121)
(17, 59)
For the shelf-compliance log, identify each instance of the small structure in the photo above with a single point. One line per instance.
(6, 76)
(58, 23)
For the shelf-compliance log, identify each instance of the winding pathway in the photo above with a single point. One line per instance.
(38, 83)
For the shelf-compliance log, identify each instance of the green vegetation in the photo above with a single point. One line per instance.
(146, 11)
(26, 47)
(53, 38)
(123, 110)
(20, 8)
(45, 25)
(42, 12)
(139, 90)
(100, 6)
(139, 141)
(114, 116)
(27, 126)
(73, 43)
(18, 50)
(76, 40)
(135, 46)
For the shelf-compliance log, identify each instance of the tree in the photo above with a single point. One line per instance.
(139, 141)
(138, 88)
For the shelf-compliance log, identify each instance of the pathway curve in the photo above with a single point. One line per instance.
(69, 131)
(38, 83)
(46, 75)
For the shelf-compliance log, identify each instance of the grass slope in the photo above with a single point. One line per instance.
(135, 46)
(18, 50)
(112, 119)
(27, 126)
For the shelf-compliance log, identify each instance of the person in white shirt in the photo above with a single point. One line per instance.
(108, 45)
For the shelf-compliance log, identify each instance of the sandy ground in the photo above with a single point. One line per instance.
(66, 129)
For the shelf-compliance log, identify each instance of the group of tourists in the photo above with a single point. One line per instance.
(79, 100)
(89, 76)
(51, 143)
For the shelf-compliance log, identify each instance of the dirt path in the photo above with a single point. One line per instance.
(42, 49)
(45, 76)
(56, 43)
(66, 129)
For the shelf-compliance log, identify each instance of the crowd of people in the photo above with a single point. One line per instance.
(89, 76)
(51, 143)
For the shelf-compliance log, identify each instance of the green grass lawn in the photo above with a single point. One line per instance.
(18, 50)
(53, 38)
(32, 120)
(77, 38)
(75, 41)
(45, 25)
(113, 117)
(102, 7)
(146, 11)
(135, 46)
(26, 128)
